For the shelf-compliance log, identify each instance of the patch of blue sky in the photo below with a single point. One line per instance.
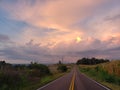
(9, 26)
(8, 1)
(30, 2)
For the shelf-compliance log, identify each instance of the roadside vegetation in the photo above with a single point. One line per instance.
(27, 77)
(62, 67)
(107, 74)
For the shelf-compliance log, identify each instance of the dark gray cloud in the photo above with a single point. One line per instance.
(112, 53)
(34, 51)
(114, 49)
(29, 51)
(12, 53)
(113, 18)
(4, 38)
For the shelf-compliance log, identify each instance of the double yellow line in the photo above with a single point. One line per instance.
(72, 84)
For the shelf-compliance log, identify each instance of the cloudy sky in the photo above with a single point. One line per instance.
(48, 30)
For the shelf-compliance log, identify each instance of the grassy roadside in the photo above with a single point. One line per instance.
(28, 77)
(43, 81)
(47, 79)
(98, 73)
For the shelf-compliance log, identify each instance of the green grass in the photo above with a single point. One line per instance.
(102, 76)
(43, 81)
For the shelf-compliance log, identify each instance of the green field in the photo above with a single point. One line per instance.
(107, 74)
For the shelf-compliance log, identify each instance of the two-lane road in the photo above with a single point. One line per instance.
(74, 81)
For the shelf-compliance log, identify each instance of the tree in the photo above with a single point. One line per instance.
(59, 62)
(91, 61)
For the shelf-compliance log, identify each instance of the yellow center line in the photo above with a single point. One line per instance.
(72, 83)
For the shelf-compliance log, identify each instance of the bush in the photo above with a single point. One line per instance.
(39, 69)
(62, 68)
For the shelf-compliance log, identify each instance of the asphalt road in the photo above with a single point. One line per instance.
(81, 82)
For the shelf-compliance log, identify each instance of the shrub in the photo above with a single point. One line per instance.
(39, 69)
(62, 68)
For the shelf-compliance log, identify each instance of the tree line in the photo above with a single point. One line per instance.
(91, 61)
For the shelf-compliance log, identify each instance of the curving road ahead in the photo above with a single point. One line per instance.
(74, 81)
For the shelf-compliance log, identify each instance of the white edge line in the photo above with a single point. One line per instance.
(96, 82)
(51, 82)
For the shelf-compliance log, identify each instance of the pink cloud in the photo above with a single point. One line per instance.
(61, 15)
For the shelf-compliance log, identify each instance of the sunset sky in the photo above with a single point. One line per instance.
(46, 31)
